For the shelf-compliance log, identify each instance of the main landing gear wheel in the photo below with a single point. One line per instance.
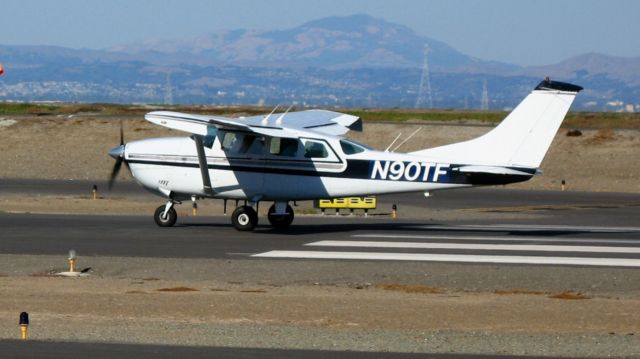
(167, 220)
(244, 218)
(280, 221)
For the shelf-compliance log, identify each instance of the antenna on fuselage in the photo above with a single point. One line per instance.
(279, 120)
(406, 139)
(265, 120)
(392, 142)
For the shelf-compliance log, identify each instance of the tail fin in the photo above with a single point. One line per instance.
(522, 138)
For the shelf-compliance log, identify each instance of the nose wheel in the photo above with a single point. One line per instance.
(244, 218)
(165, 216)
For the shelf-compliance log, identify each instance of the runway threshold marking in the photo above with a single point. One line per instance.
(497, 259)
(500, 238)
(474, 246)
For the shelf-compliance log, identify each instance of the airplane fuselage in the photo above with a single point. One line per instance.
(170, 166)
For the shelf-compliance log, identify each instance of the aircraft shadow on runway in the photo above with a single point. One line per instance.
(407, 227)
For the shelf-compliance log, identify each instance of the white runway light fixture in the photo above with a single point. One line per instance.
(72, 261)
(72, 267)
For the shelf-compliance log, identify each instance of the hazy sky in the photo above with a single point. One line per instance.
(525, 32)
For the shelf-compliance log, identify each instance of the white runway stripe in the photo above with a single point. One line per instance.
(524, 227)
(614, 262)
(489, 247)
(500, 238)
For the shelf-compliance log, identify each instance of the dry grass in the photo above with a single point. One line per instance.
(574, 119)
(568, 295)
(177, 289)
(602, 120)
(602, 136)
(410, 288)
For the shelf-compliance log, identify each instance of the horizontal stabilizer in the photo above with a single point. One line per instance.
(492, 175)
(494, 170)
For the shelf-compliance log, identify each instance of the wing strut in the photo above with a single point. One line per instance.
(202, 160)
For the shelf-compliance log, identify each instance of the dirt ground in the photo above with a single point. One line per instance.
(63, 147)
(146, 300)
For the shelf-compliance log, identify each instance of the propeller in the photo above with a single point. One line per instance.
(118, 154)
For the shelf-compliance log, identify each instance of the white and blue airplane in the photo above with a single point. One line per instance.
(293, 156)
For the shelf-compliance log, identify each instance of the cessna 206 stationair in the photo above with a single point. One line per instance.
(282, 157)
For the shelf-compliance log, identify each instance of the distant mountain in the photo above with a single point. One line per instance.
(348, 61)
(335, 42)
(590, 66)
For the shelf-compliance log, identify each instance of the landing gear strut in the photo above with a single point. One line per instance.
(280, 221)
(165, 216)
(244, 218)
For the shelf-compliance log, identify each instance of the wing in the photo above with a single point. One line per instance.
(277, 124)
(196, 124)
(322, 121)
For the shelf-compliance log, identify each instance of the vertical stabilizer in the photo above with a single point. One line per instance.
(522, 138)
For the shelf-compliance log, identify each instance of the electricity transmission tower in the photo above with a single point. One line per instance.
(484, 101)
(424, 91)
(168, 90)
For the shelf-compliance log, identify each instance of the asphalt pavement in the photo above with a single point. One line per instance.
(51, 350)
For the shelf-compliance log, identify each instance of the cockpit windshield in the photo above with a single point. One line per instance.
(350, 147)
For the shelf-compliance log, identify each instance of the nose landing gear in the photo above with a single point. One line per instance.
(244, 218)
(165, 216)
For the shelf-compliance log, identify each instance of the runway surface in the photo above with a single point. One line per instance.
(48, 350)
(342, 238)
(551, 228)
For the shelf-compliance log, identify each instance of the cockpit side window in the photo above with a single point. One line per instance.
(313, 149)
(283, 146)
